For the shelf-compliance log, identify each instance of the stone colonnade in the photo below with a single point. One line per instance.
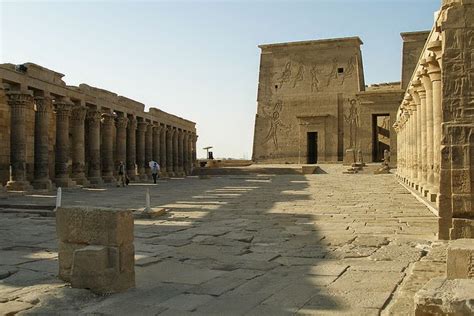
(435, 122)
(89, 141)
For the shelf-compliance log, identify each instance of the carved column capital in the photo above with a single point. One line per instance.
(157, 128)
(132, 123)
(149, 127)
(434, 70)
(19, 98)
(93, 116)
(142, 126)
(107, 119)
(170, 130)
(63, 107)
(78, 114)
(20, 103)
(43, 104)
(121, 122)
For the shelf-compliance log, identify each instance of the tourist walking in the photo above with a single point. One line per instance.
(155, 168)
(121, 174)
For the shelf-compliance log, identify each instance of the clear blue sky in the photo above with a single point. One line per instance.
(198, 59)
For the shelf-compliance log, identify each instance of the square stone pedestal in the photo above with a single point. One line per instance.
(96, 248)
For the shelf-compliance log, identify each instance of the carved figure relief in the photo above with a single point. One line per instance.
(354, 122)
(286, 74)
(314, 79)
(299, 75)
(275, 124)
(318, 77)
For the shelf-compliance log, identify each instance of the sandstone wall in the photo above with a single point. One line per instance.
(307, 87)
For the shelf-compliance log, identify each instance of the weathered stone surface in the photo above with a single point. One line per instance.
(460, 259)
(445, 297)
(94, 226)
(96, 248)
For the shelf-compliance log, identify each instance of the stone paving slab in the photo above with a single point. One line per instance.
(254, 245)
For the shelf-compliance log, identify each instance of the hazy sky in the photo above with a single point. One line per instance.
(198, 59)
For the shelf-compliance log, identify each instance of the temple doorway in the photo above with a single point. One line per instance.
(312, 147)
(381, 135)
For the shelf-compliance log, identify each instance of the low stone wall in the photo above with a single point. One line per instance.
(96, 248)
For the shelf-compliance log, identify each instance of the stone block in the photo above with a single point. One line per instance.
(460, 259)
(94, 226)
(445, 297)
(96, 249)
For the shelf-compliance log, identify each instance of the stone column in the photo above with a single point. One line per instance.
(434, 71)
(181, 152)
(163, 149)
(424, 152)
(20, 102)
(187, 170)
(175, 153)
(169, 151)
(142, 126)
(62, 109)
(411, 111)
(415, 143)
(121, 123)
(156, 143)
(194, 155)
(108, 126)
(425, 79)
(93, 131)
(417, 100)
(190, 152)
(78, 145)
(43, 108)
(131, 149)
(148, 148)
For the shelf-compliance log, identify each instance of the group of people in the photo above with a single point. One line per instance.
(123, 179)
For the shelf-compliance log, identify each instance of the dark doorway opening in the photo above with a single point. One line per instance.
(381, 135)
(312, 147)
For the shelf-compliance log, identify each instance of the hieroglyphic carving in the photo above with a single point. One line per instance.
(275, 123)
(354, 122)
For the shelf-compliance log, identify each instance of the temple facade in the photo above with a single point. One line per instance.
(53, 134)
(435, 121)
(314, 106)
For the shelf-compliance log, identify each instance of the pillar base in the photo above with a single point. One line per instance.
(80, 179)
(96, 181)
(109, 179)
(432, 196)
(19, 186)
(65, 183)
(42, 184)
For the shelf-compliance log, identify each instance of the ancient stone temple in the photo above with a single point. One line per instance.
(313, 104)
(435, 121)
(55, 134)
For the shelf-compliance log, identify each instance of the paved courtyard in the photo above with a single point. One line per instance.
(323, 244)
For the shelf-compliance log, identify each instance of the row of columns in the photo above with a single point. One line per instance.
(137, 142)
(419, 127)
